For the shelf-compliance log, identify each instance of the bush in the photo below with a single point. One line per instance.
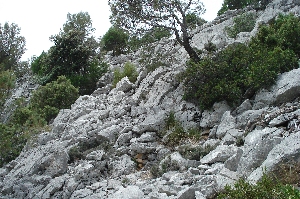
(238, 71)
(175, 133)
(129, 71)
(87, 82)
(7, 82)
(267, 188)
(242, 23)
(115, 39)
(49, 99)
(12, 141)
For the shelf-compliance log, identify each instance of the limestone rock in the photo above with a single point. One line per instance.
(286, 89)
(220, 154)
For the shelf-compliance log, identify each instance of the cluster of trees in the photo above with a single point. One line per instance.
(238, 4)
(75, 54)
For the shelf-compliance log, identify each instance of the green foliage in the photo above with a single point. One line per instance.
(39, 64)
(138, 17)
(7, 82)
(267, 188)
(129, 71)
(152, 35)
(175, 133)
(194, 21)
(75, 54)
(239, 70)
(195, 152)
(12, 141)
(283, 32)
(238, 4)
(115, 39)
(87, 81)
(242, 23)
(12, 46)
(49, 99)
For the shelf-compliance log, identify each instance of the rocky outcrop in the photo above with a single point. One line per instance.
(110, 145)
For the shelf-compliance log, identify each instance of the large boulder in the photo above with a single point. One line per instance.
(286, 89)
(287, 151)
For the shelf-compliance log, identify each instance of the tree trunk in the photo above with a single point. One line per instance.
(192, 53)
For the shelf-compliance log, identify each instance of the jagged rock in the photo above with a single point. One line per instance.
(174, 161)
(245, 106)
(225, 177)
(124, 85)
(124, 139)
(233, 136)
(114, 129)
(227, 123)
(286, 89)
(211, 118)
(257, 146)
(232, 162)
(287, 151)
(132, 192)
(151, 123)
(284, 118)
(122, 166)
(220, 154)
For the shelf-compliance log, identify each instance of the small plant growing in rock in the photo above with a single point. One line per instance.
(195, 153)
(129, 71)
(242, 23)
(268, 188)
(175, 133)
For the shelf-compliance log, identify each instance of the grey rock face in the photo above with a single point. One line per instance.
(210, 118)
(286, 89)
(287, 150)
(220, 154)
(109, 144)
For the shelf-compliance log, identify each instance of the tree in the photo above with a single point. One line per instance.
(193, 20)
(115, 39)
(238, 4)
(140, 16)
(12, 46)
(75, 54)
(7, 82)
(49, 99)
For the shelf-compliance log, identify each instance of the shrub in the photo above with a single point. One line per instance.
(115, 39)
(267, 188)
(87, 82)
(242, 23)
(49, 99)
(129, 71)
(7, 82)
(195, 153)
(175, 133)
(12, 141)
(238, 71)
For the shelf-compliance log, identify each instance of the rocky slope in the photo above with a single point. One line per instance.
(109, 145)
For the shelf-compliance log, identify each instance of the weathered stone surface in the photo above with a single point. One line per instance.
(285, 151)
(130, 192)
(210, 118)
(220, 154)
(227, 123)
(124, 85)
(258, 144)
(286, 89)
(114, 135)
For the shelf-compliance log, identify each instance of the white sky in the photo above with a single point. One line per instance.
(39, 19)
